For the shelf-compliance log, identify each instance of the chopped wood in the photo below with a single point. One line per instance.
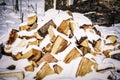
(73, 54)
(29, 68)
(37, 35)
(24, 27)
(32, 54)
(112, 38)
(27, 37)
(32, 19)
(44, 71)
(34, 26)
(27, 54)
(19, 75)
(58, 69)
(59, 45)
(36, 42)
(72, 26)
(85, 67)
(64, 27)
(17, 56)
(47, 58)
(44, 29)
(85, 50)
(97, 46)
(106, 52)
(51, 34)
(47, 48)
(83, 42)
(85, 27)
(33, 63)
(37, 54)
(13, 36)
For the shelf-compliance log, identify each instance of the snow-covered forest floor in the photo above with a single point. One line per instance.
(10, 19)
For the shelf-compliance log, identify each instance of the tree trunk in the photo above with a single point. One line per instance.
(17, 5)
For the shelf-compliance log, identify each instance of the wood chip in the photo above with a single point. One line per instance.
(44, 71)
(73, 54)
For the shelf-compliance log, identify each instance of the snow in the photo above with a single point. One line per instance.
(62, 16)
(11, 20)
(80, 19)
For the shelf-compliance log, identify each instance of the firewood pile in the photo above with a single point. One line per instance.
(60, 40)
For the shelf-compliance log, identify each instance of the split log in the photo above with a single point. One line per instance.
(44, 71)
(112, 38)
(106, 52)
(12, 37)
(29, 68)
(64, 27)
(18, 56)
(73, 54)
(19, 75)
(32, 19)
(24, 26)
(85, 50)
(83, 42)
(35, 42)
(51, 34)
(34, 26)
(85, 27)
(47, 58)
(47, 48)
(32, 54)
(37, 54)
(59, 45)
(44, 29)
(85, 67)
(97, 46)
(36, 34)
(58, 69)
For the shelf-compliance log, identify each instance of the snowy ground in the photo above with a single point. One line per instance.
(10, 19)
